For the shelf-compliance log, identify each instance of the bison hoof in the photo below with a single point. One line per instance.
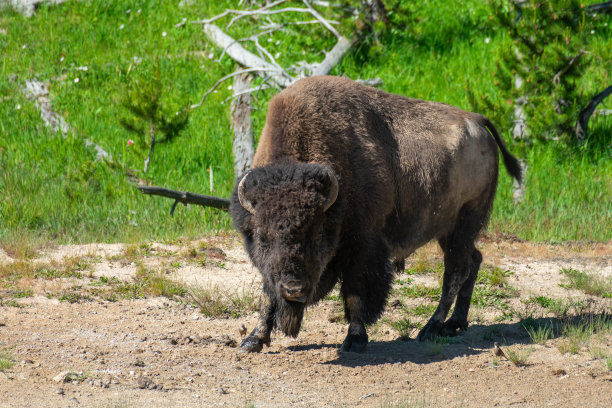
(431, 330)
(434, 329)
(452, 327)
(251, 344)
(354, 343)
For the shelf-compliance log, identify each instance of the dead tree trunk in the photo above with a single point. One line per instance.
(241, 123)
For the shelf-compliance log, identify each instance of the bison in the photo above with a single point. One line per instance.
(347, 181)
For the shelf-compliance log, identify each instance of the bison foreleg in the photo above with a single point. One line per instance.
(261, 334)
(365, 287)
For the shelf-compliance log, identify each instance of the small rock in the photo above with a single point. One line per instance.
(145, 383)
(223, 390)
(61, 377)
(242, 330)
(139, 363)
(60, 391)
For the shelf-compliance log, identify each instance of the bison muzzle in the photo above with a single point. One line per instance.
(347, 181)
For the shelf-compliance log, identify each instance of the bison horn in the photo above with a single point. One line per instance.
(243, 201)
(333, 192)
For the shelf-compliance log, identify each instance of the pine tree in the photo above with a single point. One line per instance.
(151, 116)
(549, 56)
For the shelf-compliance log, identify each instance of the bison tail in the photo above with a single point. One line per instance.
(512, 164)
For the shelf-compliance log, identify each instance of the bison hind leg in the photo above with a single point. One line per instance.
(461, 263)
(458, 320)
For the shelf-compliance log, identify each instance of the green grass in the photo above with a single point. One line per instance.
(404, 326)
(578, 333)
(6, 359)
(540, 334)
(518, 355)
(54, 190)
(420, 291)
(588, 283)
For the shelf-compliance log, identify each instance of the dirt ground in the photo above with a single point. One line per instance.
(159, 352)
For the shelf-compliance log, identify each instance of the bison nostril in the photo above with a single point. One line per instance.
(294, 292)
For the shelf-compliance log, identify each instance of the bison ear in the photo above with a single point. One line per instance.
(246, 204)
(333, 190)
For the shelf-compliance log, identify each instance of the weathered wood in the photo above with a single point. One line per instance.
(333, 57)
(242, 104)
(582, 125)
(39, 91)
(244, 57)
(27, 7)
(186, 197)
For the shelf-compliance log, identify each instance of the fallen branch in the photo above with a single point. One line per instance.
(605, 7)
(38, 91)
(582, 124)
(186, 197)
(27, 7)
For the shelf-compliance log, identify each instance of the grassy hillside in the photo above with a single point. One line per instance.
(92, 52)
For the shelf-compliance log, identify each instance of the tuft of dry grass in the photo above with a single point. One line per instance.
(24, 246)
(215, 302)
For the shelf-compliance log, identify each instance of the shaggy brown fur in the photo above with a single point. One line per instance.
(409, 171)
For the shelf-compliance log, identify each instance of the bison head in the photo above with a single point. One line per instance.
(290, 226)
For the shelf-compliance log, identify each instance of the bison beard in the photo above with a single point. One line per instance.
(288, 316)
(348, 180)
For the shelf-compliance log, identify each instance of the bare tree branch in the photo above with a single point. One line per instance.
(557, 76)
(245, 57)
(233, 74)
(333, 57)
(583, 118)
(319, 17)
